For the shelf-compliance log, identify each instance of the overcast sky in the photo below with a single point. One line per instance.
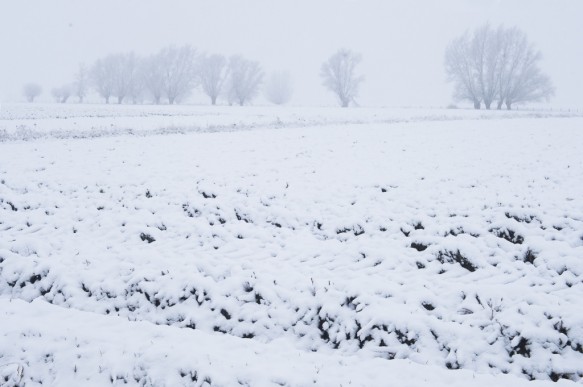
(402, 42)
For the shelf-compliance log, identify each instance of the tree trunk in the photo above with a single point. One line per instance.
(171, 100)
(487, 104)
(107, 100)
(477, 105)
(213, 100)
(119, 100)
(500, 103)
(157, 100)
(509, 105)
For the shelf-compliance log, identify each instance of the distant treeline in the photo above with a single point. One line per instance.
(490, 65)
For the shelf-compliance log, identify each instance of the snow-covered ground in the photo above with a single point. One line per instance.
(34, 121)
(310, 254)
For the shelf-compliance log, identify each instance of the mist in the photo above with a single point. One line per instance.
(291, 193)
(402, 43)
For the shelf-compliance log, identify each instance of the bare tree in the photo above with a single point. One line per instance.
(117, 75)
(245, 78)
(520, 78)
(179, 73)
(125, 74)
(31, 91)
(531, 86)
(278, 89)
(137, 87)
(56, 93)
(61, 94)
(153, 77)
(487, 60)
(339, 75)
(81, 83)
(460, 69)
(213, 72)
(103, 77)
(121, 78)
(496, 64)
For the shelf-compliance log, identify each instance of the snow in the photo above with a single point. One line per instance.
(33, 121)
(436, 238)
(82, 348)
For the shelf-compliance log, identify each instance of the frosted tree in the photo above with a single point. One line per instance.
(179, 71)
(120, 72)
(119, 75)
(31, 91)
(81, 84)
(339, 75)
(486, 54)
(103, 77)
(137, 87)
(473, 63)
(245, 78)
(521, 80)
(61, 94)
(213, 72)
(494, 65)
(460, 69)
(153, 77)
(278, 89)
(124, 73)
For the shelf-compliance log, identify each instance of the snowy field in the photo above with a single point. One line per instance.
(168, 246)
(26, 121)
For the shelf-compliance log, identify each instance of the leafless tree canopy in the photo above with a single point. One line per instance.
(179, 71)
(171, 73)
(31, 91)
(339, 75)
(245, 78)
(81, 84)
(278, 89)
(137, 85)
(103, 77)
(213, 73)
(61, 94)
(460, 69)
(153, 77)
(496, 65)
(125, 73)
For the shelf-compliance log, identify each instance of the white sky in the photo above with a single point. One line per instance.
(402, 42)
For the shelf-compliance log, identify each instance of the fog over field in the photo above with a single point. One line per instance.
(402, 43)
(291, 193)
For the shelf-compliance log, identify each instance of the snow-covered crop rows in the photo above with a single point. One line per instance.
(306, 255)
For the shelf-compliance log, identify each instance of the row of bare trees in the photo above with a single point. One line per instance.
(496, 65)
(173, 73)
(170, 75)
(491, 65)
(78, 88)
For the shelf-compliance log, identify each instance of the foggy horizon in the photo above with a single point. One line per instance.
(402, 44)
(291, 193)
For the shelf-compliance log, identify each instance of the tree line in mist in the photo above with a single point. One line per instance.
(169, 76)
(489, 65)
